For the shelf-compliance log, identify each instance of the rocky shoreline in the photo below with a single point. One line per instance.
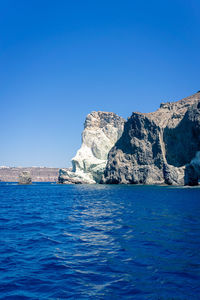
(162, 147)
(158, 148)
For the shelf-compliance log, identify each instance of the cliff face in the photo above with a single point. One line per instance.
(137, 156)
(101, 131)
(158, 147)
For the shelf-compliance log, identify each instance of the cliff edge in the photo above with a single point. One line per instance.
(160, 147)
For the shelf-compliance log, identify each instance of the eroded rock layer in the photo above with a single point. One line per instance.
(158, 147)
(101, 131)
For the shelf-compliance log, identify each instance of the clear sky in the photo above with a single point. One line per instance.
(60, 60)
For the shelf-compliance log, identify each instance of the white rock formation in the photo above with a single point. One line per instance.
(101, 131)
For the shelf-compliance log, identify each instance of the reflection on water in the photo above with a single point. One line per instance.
(99, 242)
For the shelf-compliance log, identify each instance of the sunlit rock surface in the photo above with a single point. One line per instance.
(158, 147)
(101, 131)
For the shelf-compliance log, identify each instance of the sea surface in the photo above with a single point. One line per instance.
(99, 242)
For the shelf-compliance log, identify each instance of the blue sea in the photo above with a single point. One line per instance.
(99, 242)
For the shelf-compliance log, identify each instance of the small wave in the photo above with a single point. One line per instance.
(99, 242)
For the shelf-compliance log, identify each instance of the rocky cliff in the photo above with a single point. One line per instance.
(101, 131)
(159, 147)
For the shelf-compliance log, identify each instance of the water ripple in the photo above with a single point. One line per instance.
(99, 242)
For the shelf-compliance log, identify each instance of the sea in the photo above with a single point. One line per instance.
(99, 242)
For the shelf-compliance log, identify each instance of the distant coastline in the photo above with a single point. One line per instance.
(38, 174)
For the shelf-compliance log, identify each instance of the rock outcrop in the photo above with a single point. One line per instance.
(101, 131)
(25, 178)
(158, 147)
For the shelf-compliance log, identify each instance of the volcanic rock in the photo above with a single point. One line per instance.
(158, 147)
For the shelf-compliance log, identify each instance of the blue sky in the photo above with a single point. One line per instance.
(60, 60)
